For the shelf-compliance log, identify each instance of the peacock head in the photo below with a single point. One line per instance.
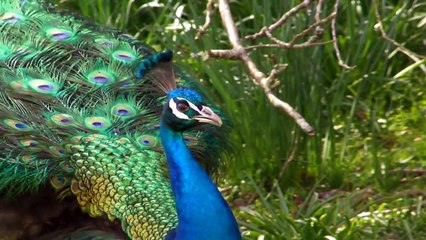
(185, 108)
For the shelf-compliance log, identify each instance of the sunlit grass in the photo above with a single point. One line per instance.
(361, 214)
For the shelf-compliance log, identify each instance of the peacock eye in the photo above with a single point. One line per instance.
(182, 107)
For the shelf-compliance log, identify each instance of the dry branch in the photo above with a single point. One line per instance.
(240, 51)
(209, 12)
(268, 30)
(334, 36)
(415, 57)
(268, 82)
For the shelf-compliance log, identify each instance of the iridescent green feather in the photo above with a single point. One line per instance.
(73, 113)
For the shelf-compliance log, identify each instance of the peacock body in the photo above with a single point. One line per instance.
(81, 109)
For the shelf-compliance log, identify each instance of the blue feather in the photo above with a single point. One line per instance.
(202, 211)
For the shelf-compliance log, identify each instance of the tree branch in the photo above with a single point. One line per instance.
(209, 13)
(415, 57)
(239, 52)
(281, 21)
(335, 44)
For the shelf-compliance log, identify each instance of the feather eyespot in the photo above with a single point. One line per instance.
(29, 143)
(147, 141)
(62, 119)
(123, 56)
(11, 18)
(100, 77)
(104, 42)
(43, 86)
(59, 181)
(19, 126)
(28, 158)
(58, 34)
(57, 151)
(123, 110)
(97, 123)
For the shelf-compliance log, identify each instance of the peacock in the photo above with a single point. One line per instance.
(101, 137)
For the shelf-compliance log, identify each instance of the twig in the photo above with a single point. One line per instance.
(415, 57)
(302, 45)
(284, 167)
(226, 54)
(318, 10)
(239, 52)
(209, 12)
(281, 21)
(318, 32)
(335, 43)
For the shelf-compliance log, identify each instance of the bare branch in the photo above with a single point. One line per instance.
(276, 40)
(302, 45)
(258, 76)
(335, 43)
(267, 31)
(415, 57)
(318, 10)
(281, 21)
(318, 32)
(240, 52)
(226, 54)
(284, 167)
(209, 13)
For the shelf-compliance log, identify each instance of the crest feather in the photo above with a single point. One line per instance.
(159, 69)
(163, 77)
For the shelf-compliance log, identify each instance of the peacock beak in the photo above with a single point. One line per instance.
(208, 116)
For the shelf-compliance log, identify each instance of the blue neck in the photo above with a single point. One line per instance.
(201, 209)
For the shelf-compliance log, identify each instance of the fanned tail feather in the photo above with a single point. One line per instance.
(71, 91)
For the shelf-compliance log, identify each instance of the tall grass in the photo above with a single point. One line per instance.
(353, 112)
(370, 121)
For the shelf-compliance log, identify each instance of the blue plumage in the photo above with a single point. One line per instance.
(202, 211)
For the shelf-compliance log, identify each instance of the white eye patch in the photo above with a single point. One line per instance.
(191, 105)
(179, 114)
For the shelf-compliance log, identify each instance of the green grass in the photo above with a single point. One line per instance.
(351, 180)
(361, 214)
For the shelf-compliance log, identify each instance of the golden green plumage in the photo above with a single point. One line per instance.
(120, 179)
(74, 113)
